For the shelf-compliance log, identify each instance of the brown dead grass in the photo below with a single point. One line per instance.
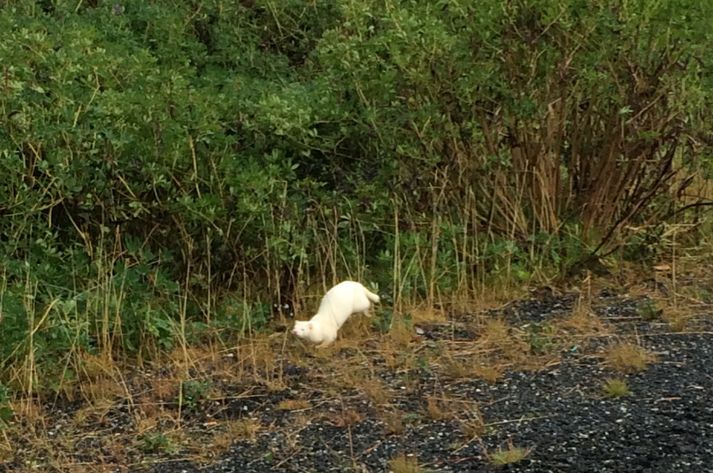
(165, 389)
(678, 319)
(495, 334)
(489, 373)
(440, 409)
(473, 428)
(393, 422)
(294, 404)
(102, 390)
(235, 430)
(405, 464)
(583, 322)
(376, 391)
(487, 368)
(351, 335)
(397, 359)
(401, 335)
(628, 357)
(456, 368)
(7, 452)
(94, 414)
(472, 423)
(506, 348)
(30, 410)
(361, 379)
(427, 315)
(347, 417)
(508, 455)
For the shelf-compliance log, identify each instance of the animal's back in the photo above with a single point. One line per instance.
(343, 300)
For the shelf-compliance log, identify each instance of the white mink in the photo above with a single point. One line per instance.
(341, 301)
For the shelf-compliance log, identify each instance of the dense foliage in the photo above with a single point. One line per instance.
(172, 168)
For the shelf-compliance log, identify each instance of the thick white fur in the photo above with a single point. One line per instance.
(341, 301)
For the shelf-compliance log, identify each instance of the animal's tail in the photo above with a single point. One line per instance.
(372, 297)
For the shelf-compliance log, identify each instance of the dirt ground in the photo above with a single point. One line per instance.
(596, 379)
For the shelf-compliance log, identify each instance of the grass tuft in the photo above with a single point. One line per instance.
(649, 310)
(375, 390)
(438, 409)
(509, 455)
(677, 320)
(156, 442)
(393, 422)
(405, 464)
(628, 357)
(294, 404)
(615, 387)
(473, 425)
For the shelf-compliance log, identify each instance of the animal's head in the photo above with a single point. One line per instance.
(303, 328)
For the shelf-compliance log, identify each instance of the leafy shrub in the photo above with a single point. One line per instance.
(193, 392)
(155, 442)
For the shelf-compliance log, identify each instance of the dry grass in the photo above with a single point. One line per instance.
(355, 330)
(376, 391)
(583, 322)
(427, 315)
(489, 370)
(496, 335)
(489, 373)
(294, 405)
(233, 431)
(678, 320)
(393, 422)
(346, 418)
(94, 413)
(472, 424)
(405, 464)
(438, 409)
(447, 409)
(615, 387)
(30, 410)
(397, 359)
(197, 357)
(7, 453)
(508, 456)
(401, 334)
(628, 357)
(456, 368)
(102, 390)
(165, 389)
(361, 379)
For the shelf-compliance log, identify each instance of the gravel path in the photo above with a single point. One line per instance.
(427, 397)
(559, 412)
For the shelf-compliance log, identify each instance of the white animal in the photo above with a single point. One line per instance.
(341, 301)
